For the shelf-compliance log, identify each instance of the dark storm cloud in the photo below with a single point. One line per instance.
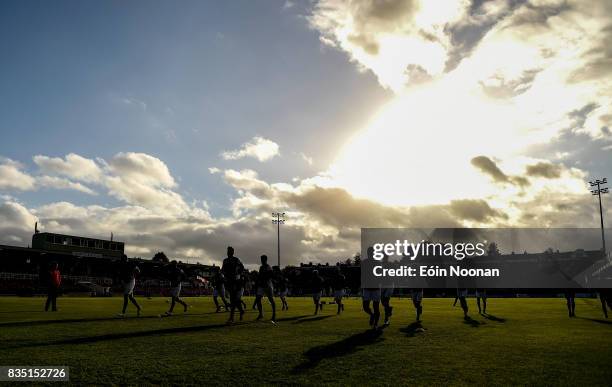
(598, 60)
(466, 34)
(539, 14)
(579, 116)
(375, 16)
(489, 168)
(544, 169)
(335, 206)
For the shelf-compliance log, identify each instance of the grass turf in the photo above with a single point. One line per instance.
(523, 341)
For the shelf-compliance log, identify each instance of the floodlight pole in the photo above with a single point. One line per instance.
(598, 191)
(278, 218)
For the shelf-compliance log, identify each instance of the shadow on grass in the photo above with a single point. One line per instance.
(343, 347)
(62, 321)
(126, 335)
(471, 322)
(85, 320)
(597, 320)
(413, 329)
(316, 318)
(493, 318)
(132, 335)
(24, 311)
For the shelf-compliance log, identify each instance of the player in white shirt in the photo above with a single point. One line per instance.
(283, 290)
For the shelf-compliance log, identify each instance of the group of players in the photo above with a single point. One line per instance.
(231, 280)
(229, 283)
(127, 273)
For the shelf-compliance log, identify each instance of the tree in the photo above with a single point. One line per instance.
(160, 257)
(357, 259)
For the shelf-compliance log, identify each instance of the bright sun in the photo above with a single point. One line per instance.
(417, 149)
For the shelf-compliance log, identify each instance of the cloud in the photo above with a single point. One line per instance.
(259, 148)
(545, 169)
(144, 180)
(488, 167)
(497, 86)
(73, 166)
(309, 160)
(130, 101)
(12, 177)
(544, 59)
(475, 210)
(247, 181)
(137, 179)
(61, 183)
(372, 32)
(141, 168)
(496, 78)
(16, 223)
(323, 223)
(473, 78)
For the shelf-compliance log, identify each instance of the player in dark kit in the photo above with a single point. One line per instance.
(176, 275)
(570, 298)
(218, 281)
(127, 273)
(253, 280)
(371, 294)
(317, 290)
(233, 270)
(417, 301)
(481, 294)
(339, 285)
(605, 296)
(265, 288)
(386, 293)
(462, 295)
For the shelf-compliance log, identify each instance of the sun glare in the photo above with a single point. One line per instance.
(417, 150)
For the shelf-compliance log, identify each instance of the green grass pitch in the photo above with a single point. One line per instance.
(527, 341)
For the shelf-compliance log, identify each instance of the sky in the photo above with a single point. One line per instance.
(180, 127)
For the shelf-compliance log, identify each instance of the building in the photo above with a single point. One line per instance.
(83, 260)
(77, 246)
